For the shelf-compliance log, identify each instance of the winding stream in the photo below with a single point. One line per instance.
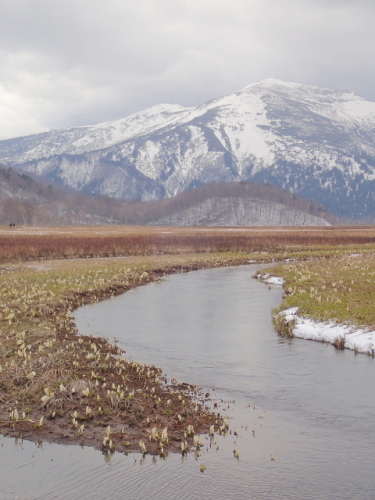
(311, 407)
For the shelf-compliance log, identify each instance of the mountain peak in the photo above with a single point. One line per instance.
(301, 89)
(272, 82)
(316, 142)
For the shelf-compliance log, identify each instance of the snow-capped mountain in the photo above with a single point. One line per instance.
(318, 143)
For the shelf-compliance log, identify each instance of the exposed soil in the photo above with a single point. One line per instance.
(131, 420)
(86, 392)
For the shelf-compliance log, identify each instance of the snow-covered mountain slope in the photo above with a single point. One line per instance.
(240, 212)
(318, 143)
(83, 139)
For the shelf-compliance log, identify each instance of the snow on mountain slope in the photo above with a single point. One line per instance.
(83, 139)
(318, 143)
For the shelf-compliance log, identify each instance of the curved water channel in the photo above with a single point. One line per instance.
(311, 407)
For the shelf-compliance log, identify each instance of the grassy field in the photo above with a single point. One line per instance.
(56, 385)
(341, 288)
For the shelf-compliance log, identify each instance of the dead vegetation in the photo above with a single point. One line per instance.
(283, 326)
(66, 388)
(111, 241)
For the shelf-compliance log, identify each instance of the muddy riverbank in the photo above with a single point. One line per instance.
(63, 388)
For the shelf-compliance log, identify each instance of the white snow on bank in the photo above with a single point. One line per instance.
(359, 339)
(271, 280)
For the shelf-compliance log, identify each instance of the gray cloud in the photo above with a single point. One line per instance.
(85, 61)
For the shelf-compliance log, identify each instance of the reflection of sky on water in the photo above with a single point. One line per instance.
(211, 321)
(213, 328)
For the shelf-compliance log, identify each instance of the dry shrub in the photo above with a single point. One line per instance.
(111, 241)
(339, 342)
(283, 326)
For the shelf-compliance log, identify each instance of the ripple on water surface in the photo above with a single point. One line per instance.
(213, 328)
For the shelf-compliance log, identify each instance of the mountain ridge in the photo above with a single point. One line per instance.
(318, 143)
(24, 200)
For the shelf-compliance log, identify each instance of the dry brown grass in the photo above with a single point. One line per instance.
(110, 241)
(47, 372)
(40, 354)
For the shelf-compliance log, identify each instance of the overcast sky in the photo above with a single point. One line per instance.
(77, 62)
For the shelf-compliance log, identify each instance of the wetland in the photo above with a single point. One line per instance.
(256, 401)
(301, 413)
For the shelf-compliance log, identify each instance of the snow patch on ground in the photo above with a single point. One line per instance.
(357, 339)
(271, 280)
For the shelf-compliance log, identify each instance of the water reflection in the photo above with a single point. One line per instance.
(306, 405)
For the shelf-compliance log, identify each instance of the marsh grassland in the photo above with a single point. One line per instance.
(340, 288)
(59, 386)
(22, 244)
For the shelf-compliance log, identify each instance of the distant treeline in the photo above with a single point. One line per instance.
(24, 200)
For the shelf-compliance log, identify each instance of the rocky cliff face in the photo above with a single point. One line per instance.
(318, 143)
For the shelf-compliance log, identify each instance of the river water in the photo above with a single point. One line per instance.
(304, 404)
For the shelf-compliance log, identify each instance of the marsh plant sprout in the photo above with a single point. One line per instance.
(190, 430)
(154, 435)
(143, 447)
(14, 415)
(197, 441)
(164, 435)
(184, 447)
